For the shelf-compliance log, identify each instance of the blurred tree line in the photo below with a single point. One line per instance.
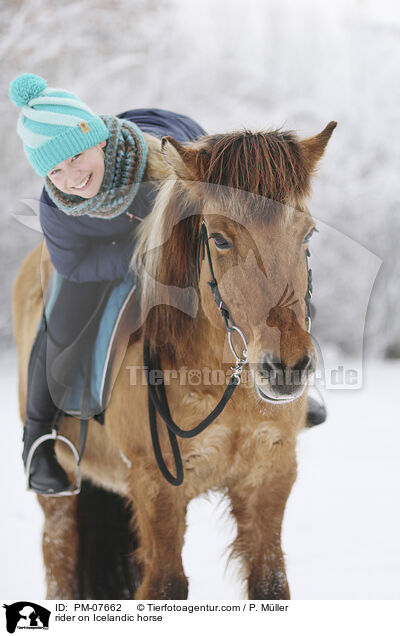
(232, 64)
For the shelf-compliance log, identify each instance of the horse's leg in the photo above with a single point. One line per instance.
(160, 512)
(60, 546)
(258, 508)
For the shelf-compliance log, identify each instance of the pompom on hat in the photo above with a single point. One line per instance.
(54, 124)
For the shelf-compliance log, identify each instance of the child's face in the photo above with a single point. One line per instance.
(82, 174)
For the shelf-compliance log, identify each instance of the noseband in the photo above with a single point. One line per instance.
(157, 398)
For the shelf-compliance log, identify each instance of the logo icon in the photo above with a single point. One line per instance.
(85, 128)
(26, 615)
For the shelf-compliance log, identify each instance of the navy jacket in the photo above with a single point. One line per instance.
(85, 249)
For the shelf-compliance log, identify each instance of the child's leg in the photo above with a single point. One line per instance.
(46, 476)
(73, 308)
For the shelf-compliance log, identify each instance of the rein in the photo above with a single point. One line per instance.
(157, 401)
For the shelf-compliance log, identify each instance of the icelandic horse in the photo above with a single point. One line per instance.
(122, 536)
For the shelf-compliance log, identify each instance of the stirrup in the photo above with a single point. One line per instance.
(75, 490)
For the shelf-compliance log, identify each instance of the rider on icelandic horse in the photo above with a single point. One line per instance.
(93, 168)
(92, 200)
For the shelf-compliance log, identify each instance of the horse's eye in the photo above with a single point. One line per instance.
(220, 241)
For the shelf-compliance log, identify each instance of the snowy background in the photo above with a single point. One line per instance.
(341, 527)
(229, 64)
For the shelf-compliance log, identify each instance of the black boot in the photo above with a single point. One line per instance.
(316, 409)
(46, 476)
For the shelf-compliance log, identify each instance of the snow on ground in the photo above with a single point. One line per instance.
(342, 521)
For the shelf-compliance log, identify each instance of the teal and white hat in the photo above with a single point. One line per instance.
(54, 124)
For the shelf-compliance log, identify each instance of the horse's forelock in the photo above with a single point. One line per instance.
(269, 164)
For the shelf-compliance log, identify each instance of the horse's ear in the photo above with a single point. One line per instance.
(181, 159)
(314, 147)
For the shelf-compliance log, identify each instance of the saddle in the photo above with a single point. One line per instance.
(87, 369)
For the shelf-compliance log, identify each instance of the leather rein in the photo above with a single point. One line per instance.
(157, 397)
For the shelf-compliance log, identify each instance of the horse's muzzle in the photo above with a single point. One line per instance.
(278, 382)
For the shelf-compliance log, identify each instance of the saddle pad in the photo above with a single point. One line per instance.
(91, 358)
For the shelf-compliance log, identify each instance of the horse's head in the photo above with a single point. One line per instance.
(261, 268)
(250, 189)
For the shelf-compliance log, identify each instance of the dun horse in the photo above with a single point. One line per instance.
(242, 197)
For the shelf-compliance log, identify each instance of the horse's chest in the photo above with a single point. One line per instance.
(232, 443)
(241, 441)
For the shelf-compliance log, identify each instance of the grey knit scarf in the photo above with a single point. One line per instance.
(125, 161)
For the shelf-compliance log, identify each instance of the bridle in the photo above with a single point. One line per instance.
(157, 398)
(230, 326)
(308, 295)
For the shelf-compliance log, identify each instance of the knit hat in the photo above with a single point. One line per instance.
(54, 124)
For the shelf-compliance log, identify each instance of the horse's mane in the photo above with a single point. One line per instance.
(268, 164)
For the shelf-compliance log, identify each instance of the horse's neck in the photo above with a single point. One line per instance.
(156, 166)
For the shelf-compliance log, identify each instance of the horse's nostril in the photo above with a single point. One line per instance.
(268, 365)
(265, 365)
(303, 363)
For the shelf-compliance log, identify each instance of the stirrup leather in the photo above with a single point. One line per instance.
(75, 490)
